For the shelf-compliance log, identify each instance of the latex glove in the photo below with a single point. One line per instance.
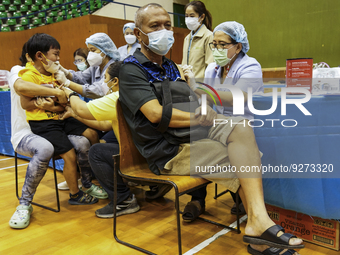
(190, 78)
(64, 70)
(186, 67)
(61, 78)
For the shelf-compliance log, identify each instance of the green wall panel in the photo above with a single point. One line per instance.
(278, 30)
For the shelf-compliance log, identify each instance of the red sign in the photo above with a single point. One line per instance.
(299, 73)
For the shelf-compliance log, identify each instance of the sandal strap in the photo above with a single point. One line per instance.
(271, 235)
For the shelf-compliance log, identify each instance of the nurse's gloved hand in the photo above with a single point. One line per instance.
(61, 78)
(190, 78)
(65, 71)
(186, 67)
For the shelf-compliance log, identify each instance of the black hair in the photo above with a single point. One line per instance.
(233, 41)
(113, 69)
(199, 7)
(41, 42)
(22, 58)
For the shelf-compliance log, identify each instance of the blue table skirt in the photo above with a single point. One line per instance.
(5, 129)
(315, 140)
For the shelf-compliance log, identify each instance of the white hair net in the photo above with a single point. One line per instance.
(130, 25)
(103, 42)
(236, 31)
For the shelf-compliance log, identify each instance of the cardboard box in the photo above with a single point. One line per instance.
(311, 229)
(299, 73)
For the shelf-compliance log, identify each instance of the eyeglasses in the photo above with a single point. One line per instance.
(219, 47)
(78, 61)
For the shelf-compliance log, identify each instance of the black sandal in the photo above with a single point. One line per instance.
(270, 251)
(192, 211)
(270, 238)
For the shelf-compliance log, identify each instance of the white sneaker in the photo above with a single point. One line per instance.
(64, 186)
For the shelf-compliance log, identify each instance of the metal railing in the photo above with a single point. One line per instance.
(64, 7)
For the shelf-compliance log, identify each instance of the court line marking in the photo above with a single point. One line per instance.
(205, 243)
(13, 166)
(5, 159)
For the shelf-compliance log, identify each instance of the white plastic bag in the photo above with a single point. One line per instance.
(326, 80)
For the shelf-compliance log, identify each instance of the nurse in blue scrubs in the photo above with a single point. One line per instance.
(131, 40)
(232, 66)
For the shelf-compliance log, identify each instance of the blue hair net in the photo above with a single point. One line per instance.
(236, 31)
(103, 42)
(129, 25)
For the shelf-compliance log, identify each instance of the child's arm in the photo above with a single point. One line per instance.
(48, 104)
(29, 104)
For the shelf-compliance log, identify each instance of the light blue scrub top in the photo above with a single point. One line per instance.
(245, 72)
(123, 50)
(92, 80)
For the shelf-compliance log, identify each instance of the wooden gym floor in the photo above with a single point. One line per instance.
(76, 229)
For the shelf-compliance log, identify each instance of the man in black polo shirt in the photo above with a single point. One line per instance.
(226, 145)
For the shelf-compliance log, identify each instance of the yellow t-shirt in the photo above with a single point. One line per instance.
(104, 108)
(31, 74)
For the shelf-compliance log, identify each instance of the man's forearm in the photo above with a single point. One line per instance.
(153, 112)
(27, 103)
(30, 89)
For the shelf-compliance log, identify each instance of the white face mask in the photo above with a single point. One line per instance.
(160, 41)
(110, 87)
(51, 67)
(192, 23)
(130, 39)
(106, 83)
(94, 59)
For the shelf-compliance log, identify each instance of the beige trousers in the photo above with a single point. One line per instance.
(196, 157)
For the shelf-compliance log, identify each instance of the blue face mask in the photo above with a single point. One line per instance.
(82, 66)
(160, 41)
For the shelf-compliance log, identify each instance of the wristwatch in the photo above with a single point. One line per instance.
(73, 94)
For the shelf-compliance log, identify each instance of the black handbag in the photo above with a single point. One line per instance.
(177, 94)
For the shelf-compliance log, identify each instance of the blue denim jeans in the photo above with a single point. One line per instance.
(100, 157)
(41, 151)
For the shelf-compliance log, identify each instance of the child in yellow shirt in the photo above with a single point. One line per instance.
(44, 51)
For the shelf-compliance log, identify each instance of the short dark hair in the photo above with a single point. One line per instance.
(22, 58)
(199, 7)
(41, 42)
(113, 69)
